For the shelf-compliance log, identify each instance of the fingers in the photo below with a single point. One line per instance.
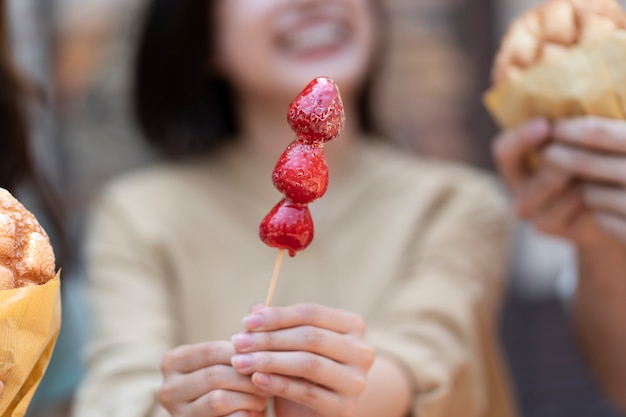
(592, 132)
(562, 213)
(189, 358)
(323, 401)
(606, 198)
(511, 148)
(537, 191)
(199, 381)
(305, 365)
(306, 338)
(276, 318)
(189, 387)
(609, 205)
(223, 403)
(588, 165)
(613, 224)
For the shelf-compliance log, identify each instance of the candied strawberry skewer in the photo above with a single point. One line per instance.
(301, 173)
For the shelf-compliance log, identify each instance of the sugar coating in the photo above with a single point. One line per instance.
(26, 256)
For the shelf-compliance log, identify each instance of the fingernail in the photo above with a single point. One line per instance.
(242, 340)
(241, 362)
(261, 379)
(253, 321)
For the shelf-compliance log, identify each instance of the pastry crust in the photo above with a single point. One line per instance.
(549, 29)
(26, 256)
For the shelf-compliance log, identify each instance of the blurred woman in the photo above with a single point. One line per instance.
(391, 311)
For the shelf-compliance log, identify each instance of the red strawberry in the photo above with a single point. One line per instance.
(301, 173)
(316, 115)
(287, 226)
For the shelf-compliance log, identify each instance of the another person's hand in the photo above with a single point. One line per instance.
(594, 150)
(200, 381)
(312, 358)
(550, 195)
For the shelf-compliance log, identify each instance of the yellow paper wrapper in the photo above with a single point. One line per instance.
(586, 80)
(30, 320)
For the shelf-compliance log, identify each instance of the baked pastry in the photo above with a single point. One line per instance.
(26, 256)
(561, 58)
(549, 29)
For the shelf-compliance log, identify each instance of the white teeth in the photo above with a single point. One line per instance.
(316, 36)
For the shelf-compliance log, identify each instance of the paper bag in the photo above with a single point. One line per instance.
(30, 320)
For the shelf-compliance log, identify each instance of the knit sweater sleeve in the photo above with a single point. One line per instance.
(440, 322)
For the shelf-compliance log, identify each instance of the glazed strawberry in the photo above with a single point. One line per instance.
(287, 226)
(301, 173)
(316, 115)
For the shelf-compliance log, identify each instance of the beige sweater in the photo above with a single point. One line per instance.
(418, 248)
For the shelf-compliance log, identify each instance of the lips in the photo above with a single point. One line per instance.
(310, 31)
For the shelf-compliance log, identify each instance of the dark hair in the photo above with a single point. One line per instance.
(180, 106)
(16, 160)
(14, 156)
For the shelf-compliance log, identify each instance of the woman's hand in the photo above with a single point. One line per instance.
(312, 358)
(550, 195)
(200, 381)
(594, 150)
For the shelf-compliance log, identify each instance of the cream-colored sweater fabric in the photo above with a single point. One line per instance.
(418, 248)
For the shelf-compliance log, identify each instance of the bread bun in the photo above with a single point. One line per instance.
(548, 29)
(26, 256)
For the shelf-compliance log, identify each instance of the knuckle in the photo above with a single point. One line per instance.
(313, 337)
(358, 383)
(308, 312)
(217, 401)
(165, 396)
(309, 394)
(264, 340)
(357, 323)
(311, 364)
(169, 360)
(213, 376)
(369, 355)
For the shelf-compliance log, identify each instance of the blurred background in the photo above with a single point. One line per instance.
(78, 53)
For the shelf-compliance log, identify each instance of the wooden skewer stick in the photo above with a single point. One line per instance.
(270, 293)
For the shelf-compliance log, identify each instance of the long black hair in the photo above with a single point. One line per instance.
(15, 161)
(179, 105)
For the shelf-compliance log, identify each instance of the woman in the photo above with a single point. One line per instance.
(414, 250)
(579, 194)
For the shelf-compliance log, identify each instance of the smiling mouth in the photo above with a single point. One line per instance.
(314, 37)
